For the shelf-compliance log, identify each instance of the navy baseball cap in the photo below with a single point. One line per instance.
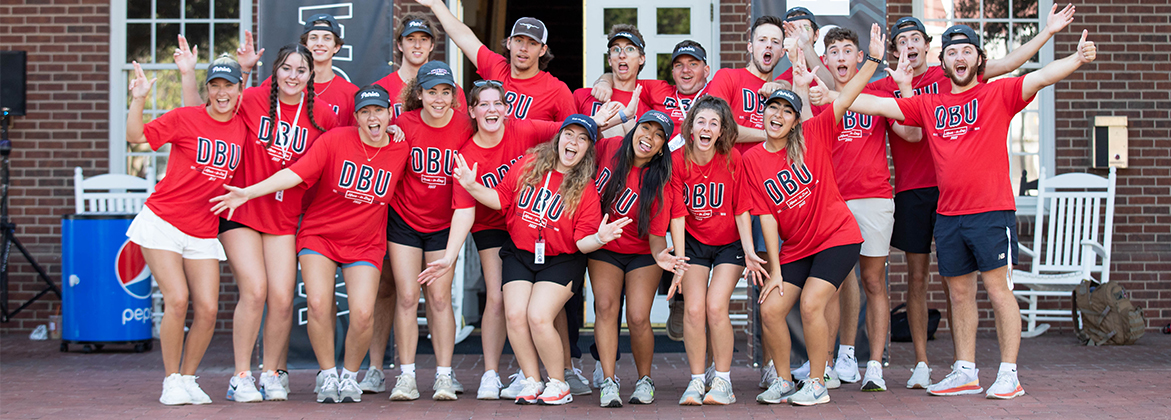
(630, 36)
(330, 24)
(416, 25)
(434, 73)
(371, 95)
(689, 50)
(585, 122)
(807, 14)
(532, 28)
(659, 117)
(787, 96)
(224, 69)
(969, 36)
(901, 26)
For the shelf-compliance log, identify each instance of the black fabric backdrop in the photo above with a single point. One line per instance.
(367, 28)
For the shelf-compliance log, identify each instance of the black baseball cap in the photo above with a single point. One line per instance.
(371, 95)
(331, 24)
(227, 69)
(807, 15)
(416, 25)
(661, 118)
(630, 36)
(532, 28)
(585, 122)
(434, 73)
(899, 28)
(689, 50)
(787, 96)
(969, 36)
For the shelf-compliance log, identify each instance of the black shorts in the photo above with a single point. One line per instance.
(915, 220)
(831, 264)
(562, 269)
(699, 253)
(981, 241)
(226, 225)
(627, 262)
(489, 238)
(399, 232)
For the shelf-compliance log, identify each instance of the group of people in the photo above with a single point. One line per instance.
(646, 185)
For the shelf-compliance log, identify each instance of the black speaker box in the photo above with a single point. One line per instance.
(13, 74)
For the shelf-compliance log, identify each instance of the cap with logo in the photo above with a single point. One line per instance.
(532, 28)
(330, 24)
(416, 25)
(787, 96)
(969, 36)
(629, 36)
(435, 73)
(371, 95)
(689, 50)
(901, 26)
(658, 117)
(585, 122)
(228, 70)
(789, 15)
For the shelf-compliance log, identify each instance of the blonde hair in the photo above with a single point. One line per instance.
(579, 177)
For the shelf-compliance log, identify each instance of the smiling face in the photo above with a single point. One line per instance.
(572, 144)
(648, 140)
(524, 52)
(705, 129)
(489, 111)
(372, 121)
(766, 47)
(842, 58)
(292, 77)
(779, 119)
(416, 48)
(690, 74)
(437, 100)
(960, 62)
(322, 44)
(625, 59)
(912, 45)
(222, 96)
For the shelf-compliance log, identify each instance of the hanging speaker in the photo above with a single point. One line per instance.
(13, 74)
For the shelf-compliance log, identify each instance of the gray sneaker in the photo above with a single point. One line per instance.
(349, 391)
(831, 378)
(458, 387)
(577, 383)
(811, 393)
(644, 391)
(721, 393)
(374, 382)
(768, 373)
(693, 395)
(515, 385)
(444, 388)
(675, 320)
(405, 388)
(778, 392)
(327, 393)
(610, 397)
(708, 374)
(283, 376)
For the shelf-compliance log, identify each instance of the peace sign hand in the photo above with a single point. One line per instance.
(610, 231)
(877, 41)
(140, 87)
(463, 174)
(186, 56)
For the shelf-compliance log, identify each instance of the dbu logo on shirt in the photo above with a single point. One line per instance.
(752, 104)
(218, 158)
(362, 183)
(546, 205)
(790, 186)
(518, 104)
(953, 121)
(288, 139)
(702, 199)
(434, 165)
(625, 201)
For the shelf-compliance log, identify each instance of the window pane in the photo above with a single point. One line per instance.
(138, 42)
(198, 9)
(1023, 33)
(949, 9)
(675, 20)
(1027, 8)
(614, 16)
(197, 34)
(227, 9)
(606, 63)
(166, 39)
(995, 38)
(168, 90)
(166, 9)
(138, 9)
(664, 66)
(996, 9)
(226, 38)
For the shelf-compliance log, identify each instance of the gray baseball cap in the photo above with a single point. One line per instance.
(435, 73)
(532, 28)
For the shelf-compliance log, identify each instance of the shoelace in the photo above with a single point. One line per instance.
(530, 388)
(951, 376)
(515, 377)
(491, 380)
(1002, 377)
(722, 385)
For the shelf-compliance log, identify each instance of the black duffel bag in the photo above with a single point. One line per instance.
(900, 328)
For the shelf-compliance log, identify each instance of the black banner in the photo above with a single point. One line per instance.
(367, 27)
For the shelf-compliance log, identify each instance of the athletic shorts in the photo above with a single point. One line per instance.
(562, 269)
(982, 241)
(831, 265)
(489, 238)
(307, 251)
(148, 230)
(758, 235)
(915, 220)
(627, 262)
(699, 253)
(876, 219)
(226, 225)
(399, 232)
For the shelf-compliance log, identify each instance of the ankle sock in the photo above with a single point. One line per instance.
(845, 350)
(727, 376)
(442, 370)
(407, 368)
(697, 377)
(1007, 368)
(347, 374)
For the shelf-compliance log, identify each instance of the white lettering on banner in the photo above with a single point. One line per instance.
(340, 11)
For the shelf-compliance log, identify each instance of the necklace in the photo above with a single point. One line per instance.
(368, 157)
(327, 85)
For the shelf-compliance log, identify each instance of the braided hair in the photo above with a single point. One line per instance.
(274, 92)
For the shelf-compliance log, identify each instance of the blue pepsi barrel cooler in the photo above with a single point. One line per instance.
(106, 284)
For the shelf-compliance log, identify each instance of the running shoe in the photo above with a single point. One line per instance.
(831, 378)
(609, 391)
(1006, 387)
(644, 391)
(349, 391)
(847, 368)
(515, 385)
(556, 393)
(530, 392)
(578, 384)
(456, 385)
(675, 320)
(242, 388)
(811, 393)
(328, 393)
(693, 395)
(778, 392)
(801, 372)
(708, 374)
(197, 395)
(598, 375)
(271, 388)
(920, 377)
(283, 375)
(489, 386)
(873, 381)
(767, 374)
(173, 391)
(721, 393)
(959, 382)
(374, 382)
(405, 388)
(444, 388)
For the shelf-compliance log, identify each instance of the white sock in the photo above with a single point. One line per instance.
(966, 365)
(877, 367)
(330, 372)
(442, 370)
(1007, 368)
(347, 374)
(845, 350)
(374, 368)
(407, 368)
(486, 372)
(697, 377)
(727, 376)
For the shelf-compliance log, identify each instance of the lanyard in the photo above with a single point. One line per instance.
(541, 231)
(296, 120)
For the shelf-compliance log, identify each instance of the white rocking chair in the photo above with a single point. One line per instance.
(1072, 229)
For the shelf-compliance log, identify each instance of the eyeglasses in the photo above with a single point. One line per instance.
(629, 50)
(488, 82)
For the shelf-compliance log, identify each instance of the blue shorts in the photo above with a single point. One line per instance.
(307, 251)
(982, 241)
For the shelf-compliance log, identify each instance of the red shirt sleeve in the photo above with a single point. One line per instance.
(740, 199)
(912, 109)
(563, 102)
(310, 166)
(490, 65)
(588, 215)
(161, 130)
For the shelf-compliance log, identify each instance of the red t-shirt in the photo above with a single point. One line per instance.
(859, 157)
(741, 89)
(346, 222)
(912, 161)
(266, 214)
(394, 85)
(337, 94)
(787, 76)
(805, 201)
(541, 97)
(543, 215)
(424, 198)
(627, 203)
(710, 196)
(666, 98)
(494, 163)
(205, 154)
(586, 104)
(967, 132)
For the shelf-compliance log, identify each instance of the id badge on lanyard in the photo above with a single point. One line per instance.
(539, 246)
(280, 195)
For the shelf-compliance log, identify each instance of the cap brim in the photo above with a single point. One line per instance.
(428, 84)
(371, 101)
(414, 30)
(229, 77)
(693, 55)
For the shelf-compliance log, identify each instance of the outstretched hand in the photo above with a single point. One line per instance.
(140, 86)
(877, 41)
(631, 109)
(607, 111)
(610, 231)
(903, 74)
(463, 174)
(1057, 21)
(186, 56)
(1086, 50)
(246, 54)
(235, 198)
(667, 260)
(435, 270)
(754, 269)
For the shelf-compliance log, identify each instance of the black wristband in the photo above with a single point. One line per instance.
(871, 58)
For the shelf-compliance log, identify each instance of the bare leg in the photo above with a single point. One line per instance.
(493, 331)
(383, 317)
(167, 269)
(877, 303)
(244, 248)
(280, 261)
(406, 263)
(362, 290)
(1008, 313)
(440, 314)
(832, 318)
(607, 282)
(719, 297)
(318, 272)
(203, 281)
(816, 295)
(849, 302)
(774, 329)
(547, 300)
(963, 332)
(516, 312)
(695, 317)
(641, 285)
(917, 280)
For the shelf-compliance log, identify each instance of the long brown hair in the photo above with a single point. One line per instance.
(410, 96)
(274, 93)
(728, 129)
(579, 177)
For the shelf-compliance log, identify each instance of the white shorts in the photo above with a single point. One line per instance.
(876, 219)
(148, 230)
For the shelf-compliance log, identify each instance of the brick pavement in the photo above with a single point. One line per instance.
(1063, 380)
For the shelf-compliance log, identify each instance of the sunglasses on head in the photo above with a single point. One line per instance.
(486, 82)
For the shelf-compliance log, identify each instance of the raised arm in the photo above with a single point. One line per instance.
(902, 76)
(855, 86)
(1060, 69)
(186, 57)
(808, 52)
(139, 88)
(1056, 22)
(236, 196)
(467, 178)
(460, 34)
(869, 104)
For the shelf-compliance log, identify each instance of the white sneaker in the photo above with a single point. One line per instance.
(644, 391)
(959, 382)
(610, 394)
(810, 392)
(598, 375)
(348, 391)
(405, 388)
(801, 372)
(271, 388)
(444, 388)
(458, 387)
(693, 395)
(328, 391)
(847, 368)
(556, 393)
(920, 377)
(242, 388)
(873, 381)
(578, 385)
(721, 393)
(831, 378)
(767, 374)
(515, 385)
(173, 392)
(283, 375)
(530, 392)
(489, 386)
(374, 382)
(193, 389)
(1006, 387)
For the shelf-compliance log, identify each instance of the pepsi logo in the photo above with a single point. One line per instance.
(131, 270)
